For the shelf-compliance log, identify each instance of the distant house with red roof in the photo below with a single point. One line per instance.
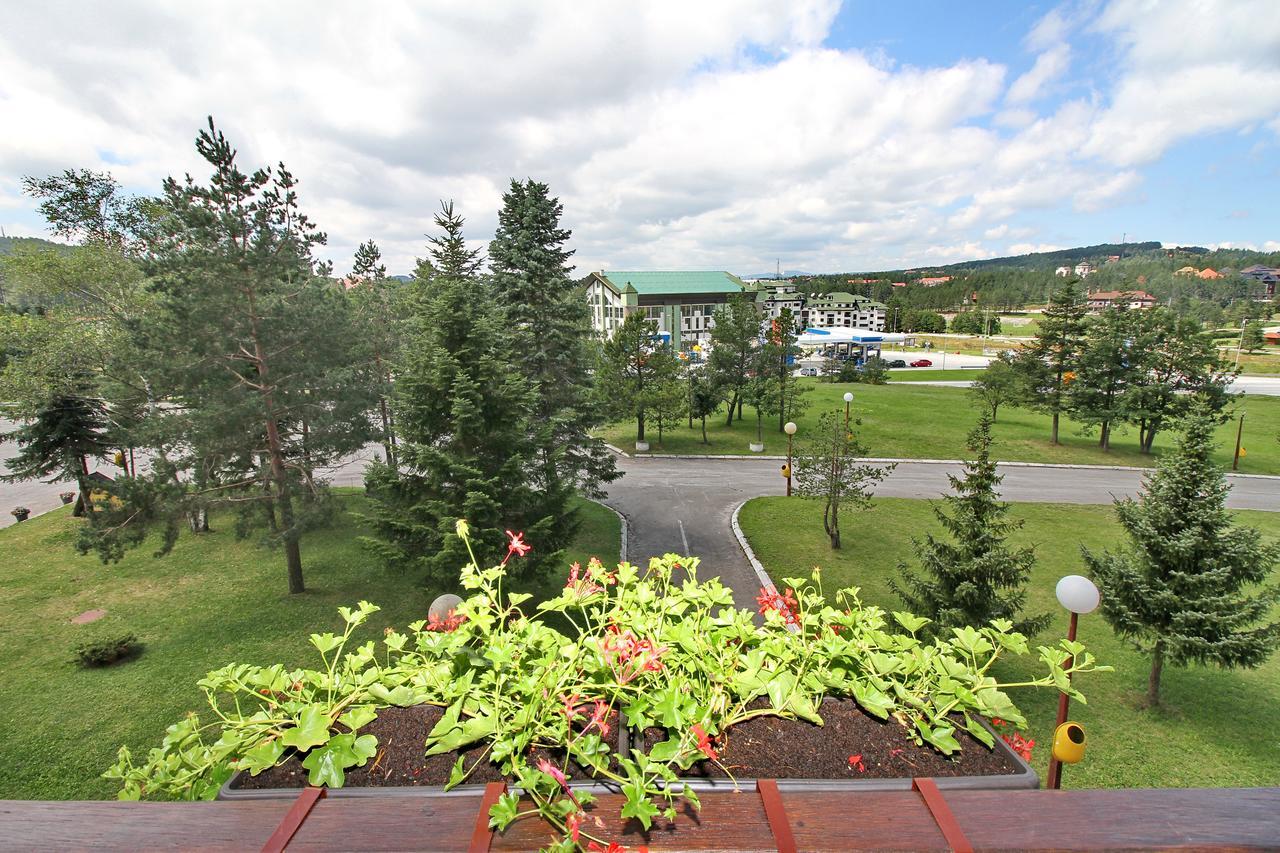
(935, 281)
(1208, 273)
(1103, 299)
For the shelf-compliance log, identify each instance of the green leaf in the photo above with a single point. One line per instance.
(910, 621)
(978, 731)
(325, 642)
(518, 598)
(400, 695)
(328, 764)
(504, 811)
(312, 729)
(666, 750)
(263, 756)
(638, 805)
(358, 717)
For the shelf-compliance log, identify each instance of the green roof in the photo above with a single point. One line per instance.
(649, 283)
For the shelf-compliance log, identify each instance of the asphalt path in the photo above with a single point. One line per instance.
(685, 505)
(1265, 386)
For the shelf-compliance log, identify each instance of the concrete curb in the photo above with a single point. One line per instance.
(888, 459)
(622, 528)
(765, 580)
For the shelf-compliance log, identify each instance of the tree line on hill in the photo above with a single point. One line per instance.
(198, 330)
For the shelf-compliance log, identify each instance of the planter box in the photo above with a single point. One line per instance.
(789, 748)
(756, 448)
(232, 789)
(642, 446)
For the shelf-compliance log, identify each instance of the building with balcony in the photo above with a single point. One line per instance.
(682, 302)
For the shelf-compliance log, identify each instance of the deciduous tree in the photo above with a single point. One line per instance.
(826, 469)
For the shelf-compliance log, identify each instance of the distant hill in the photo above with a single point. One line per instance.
(1062, 257)
(9, 244)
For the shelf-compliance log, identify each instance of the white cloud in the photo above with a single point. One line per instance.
(713, 134)
(1049, 66)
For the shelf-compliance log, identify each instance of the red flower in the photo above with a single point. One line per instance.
(597, 718)
(581, 582)
(614, 847)
(855, 762)
(785, 606)
(628, 655)
(516, 546)
(574, 824)
(1020, 745)
(997, 722)
(450, 622)
(704, 742)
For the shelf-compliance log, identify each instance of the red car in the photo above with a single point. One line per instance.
(924, 362)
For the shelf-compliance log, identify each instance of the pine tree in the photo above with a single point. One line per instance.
(57, 443)
(548, 325)
(780, 351)
(464, 412)
(251, 343)
(1047, 364)
(1111, 360)
(448, 256)
(1251, 338)
(1188, 589)
(826, 470)
(377, 311)
(972, 576)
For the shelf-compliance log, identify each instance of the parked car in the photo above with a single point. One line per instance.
(897, 362)
(924, 362)
(808, 371)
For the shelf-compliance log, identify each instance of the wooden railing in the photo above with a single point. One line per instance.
(1224, 819)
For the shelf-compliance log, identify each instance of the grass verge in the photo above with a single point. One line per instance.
(213, 600)
(913, 421)
(1213, 730)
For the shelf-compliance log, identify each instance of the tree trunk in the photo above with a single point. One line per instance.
(388, 446)
(740, 402)
(1153, 681)
(640, 425)
(1055, 427)
(733, 403)
(1104, 440)
(659, 429)
(704, 430)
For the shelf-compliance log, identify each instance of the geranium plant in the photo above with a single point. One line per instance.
(668, 651)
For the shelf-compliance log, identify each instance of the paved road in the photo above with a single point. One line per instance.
(684, 505)
(1265, 386)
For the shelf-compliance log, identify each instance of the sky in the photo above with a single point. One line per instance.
(739, 135)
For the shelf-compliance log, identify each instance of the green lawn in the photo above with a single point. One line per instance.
(1219, 726)
(929, 422)
(918, 375)
(212, 601)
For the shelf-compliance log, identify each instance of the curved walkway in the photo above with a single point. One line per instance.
(685, 505)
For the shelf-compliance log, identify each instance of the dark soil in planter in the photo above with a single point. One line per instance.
(402, 735)
(774, 748)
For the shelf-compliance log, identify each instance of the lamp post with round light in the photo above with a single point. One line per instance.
(790, 430)
(1078, 595)
(848, 400)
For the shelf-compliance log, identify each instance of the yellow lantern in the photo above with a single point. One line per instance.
(1068, 743)
(786, 470)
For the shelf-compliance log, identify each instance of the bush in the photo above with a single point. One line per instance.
(107, 651)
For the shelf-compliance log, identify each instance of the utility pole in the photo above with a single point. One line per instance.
(1235, 460)
(1240, 345)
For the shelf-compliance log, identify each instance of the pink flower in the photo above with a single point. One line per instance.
(598, 718)
(516, 546)
(553, 771)
(785, 606)
(574, 824)
(630, 656)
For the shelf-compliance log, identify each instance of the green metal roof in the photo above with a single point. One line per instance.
(648, 283)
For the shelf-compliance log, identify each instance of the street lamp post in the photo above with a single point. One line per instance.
(848, 400)
(1078, 595)
(790, 430)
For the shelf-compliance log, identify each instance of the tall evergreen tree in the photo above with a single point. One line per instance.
(252, 346)
(972, 576)
(448, 255)
(1048, 363)
(548, 325)
(779, 351)
(466, 451)
(1111, 360)
(1190, 586)
(735, 337)
(377, 309)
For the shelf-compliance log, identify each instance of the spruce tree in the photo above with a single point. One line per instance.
(548, 335)
(376, 300)
(1048, 363)
(463, 412)
(972, 576)
(448, 256)
(57, 443)
(1189, 588)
